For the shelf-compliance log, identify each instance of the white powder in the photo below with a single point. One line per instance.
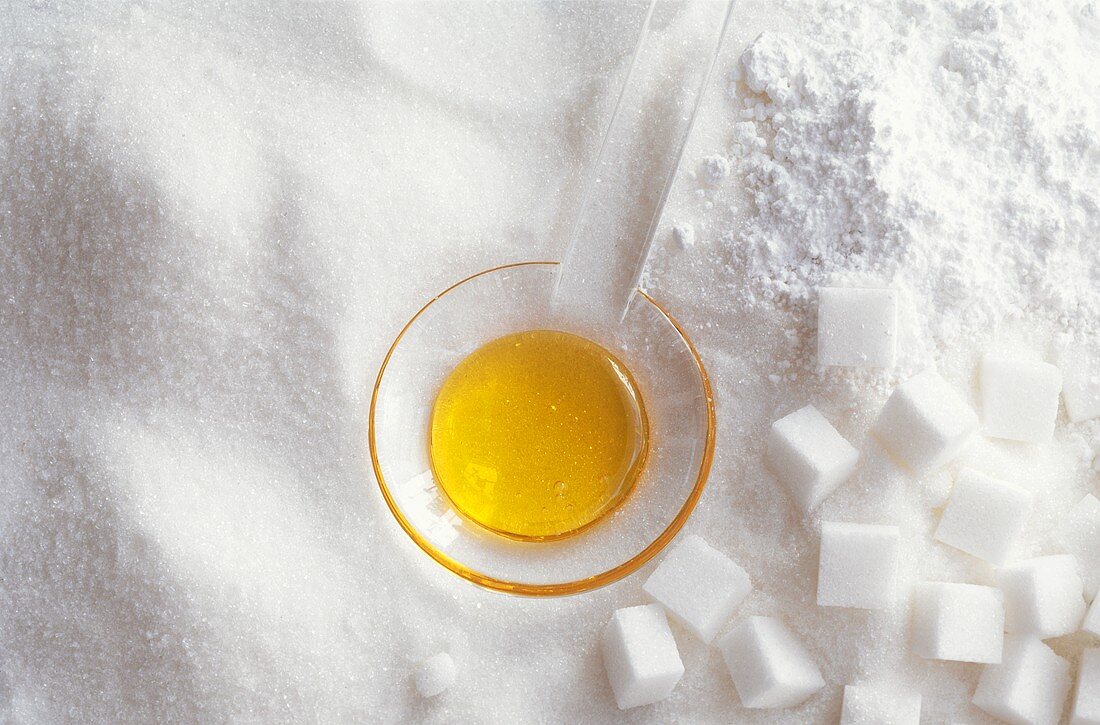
(715, 169)
(951, 149)
(683, 235)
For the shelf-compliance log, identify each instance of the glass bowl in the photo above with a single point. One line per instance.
(513, 298)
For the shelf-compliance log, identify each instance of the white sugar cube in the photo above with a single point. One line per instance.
(857, 566)
(1019, 398)
(925, 424)
(1086, 703)
(769, 666)
(1079, 534)
(1080, 385)
(983, 516)
(435, 675)
(868, 705)
(809, 457)
(1029, 686)
(960, 622)
(857, 327)
(1091, 625)
(640, 655)
(699, 586)
(1043, 596)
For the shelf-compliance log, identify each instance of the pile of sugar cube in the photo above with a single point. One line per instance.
(923, 426)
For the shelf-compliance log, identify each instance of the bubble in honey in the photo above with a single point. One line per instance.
(538, 434)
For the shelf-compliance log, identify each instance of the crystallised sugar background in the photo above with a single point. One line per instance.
(213, 221)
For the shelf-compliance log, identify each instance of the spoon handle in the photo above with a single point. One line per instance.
(641, 149)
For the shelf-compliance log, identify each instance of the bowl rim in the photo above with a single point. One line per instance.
(576, 586)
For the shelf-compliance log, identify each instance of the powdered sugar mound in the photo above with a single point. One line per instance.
(922, 155)
(810, 171)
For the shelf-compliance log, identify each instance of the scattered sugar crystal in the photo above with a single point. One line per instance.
(769, 666)
(858, 565)
(1079, 534)
(873, 705)
(983, 516)
(961, 622)
(684, 235)
(1080, 385)
(1086, 702)
(640, 656)
(1019, 398)
(1091, 624)
(1029, 686)
(699, 586)
(925, 424)
(1043, 596)
(435, 675)
(809, 457)
(856, 327)
(716, 169)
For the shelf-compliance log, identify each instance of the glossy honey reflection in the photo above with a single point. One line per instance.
(538, 434)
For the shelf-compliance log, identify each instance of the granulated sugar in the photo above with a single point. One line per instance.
(212, 223)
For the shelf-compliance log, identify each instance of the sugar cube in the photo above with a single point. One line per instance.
(857, 566)
(1079, 534)
(1029, 686)
(961, 622)
(769, 666)
(1091, 625)
(1019, 398)
(1086, 703)
(435, 675)
(809, 457)
(857, 327)
(1080, 385)
(868, 705)
(640, 656)
(983, 516)
(1043, 596)
(699, 586)
(925, 424)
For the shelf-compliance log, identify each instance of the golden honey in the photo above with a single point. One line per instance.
(538, 434)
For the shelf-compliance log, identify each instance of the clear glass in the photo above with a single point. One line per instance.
(514, 298)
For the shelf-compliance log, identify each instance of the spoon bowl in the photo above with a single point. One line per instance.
(514, 298)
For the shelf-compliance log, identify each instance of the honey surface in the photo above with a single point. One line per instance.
(537, 434)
